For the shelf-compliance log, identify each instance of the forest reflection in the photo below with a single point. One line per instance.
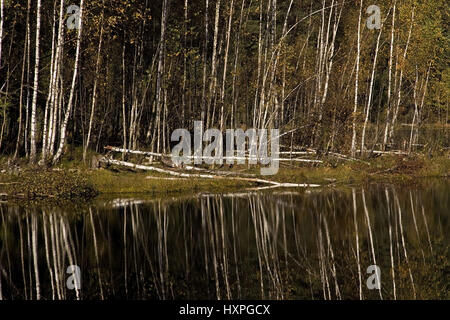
(285, 245)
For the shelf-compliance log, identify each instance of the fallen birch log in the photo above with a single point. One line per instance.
(148, 153)
(313, 151)
(152, 168)
(206, 176)
(192, 168)
(298, 160)
(297, 152)
(347, 158)
(396, 152)
(144, 153)
(164, 178)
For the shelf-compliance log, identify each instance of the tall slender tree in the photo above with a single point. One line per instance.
(63, 130)
(35, 84)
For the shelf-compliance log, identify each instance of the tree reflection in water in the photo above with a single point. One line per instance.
(286, 245)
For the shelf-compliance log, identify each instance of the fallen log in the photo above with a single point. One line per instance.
(347, 158)
(206, 176)
(192, 168)
(163, 178)
(297, 152)
(153, 154)
(152, 168)
(298, 160)
(144, 153)
(165, 159)
(396, 152)
(314, 151)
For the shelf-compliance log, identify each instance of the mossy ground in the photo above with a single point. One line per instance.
(107, 181)
(37, 183)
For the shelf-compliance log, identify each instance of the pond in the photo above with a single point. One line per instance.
(285, 244)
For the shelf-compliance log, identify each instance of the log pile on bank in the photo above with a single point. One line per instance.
(201, 173)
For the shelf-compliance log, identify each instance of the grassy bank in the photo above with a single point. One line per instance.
(389, 169)
(72, 179)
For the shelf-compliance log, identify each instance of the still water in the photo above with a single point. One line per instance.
(313, 244)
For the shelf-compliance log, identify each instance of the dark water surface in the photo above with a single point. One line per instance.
(313, 244)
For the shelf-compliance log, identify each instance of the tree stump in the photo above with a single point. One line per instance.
(95, 162)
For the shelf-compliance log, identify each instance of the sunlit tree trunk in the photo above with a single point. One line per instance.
(124, 112)
(160, 76)
(94, 92)
(400, 81)
(236, 57)
(225, 64)
(54, 87)
(355, 109)
(370, 98)
(185, 50)
(205, 51)
(213, 78)
(52, 80)
(62, 139)
(35, 84)
(391, 56)
(258, 78)
(27, 105)
(417, 108)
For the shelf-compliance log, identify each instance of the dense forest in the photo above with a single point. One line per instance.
(127, 72)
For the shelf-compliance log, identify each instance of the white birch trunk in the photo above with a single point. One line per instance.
(391, 56)
(399, 89)
(62, 139)
(369, 100)
(94, 93)
(355, 109)
(213, 79)
(225, 64)
(35, 85)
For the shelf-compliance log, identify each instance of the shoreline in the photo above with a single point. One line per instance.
(74, 181)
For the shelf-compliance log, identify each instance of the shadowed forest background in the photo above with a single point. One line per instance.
(136, 70)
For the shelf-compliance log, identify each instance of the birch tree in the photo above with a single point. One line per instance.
(160, 76)
(370, 98)
(299, 66)
(391, 57)
(213, 78)
(94, 90)
(205, 51)
(225, 64)
(358, 54)
(22, 79)
(35, 84)
(400, 80)
(62, 139)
